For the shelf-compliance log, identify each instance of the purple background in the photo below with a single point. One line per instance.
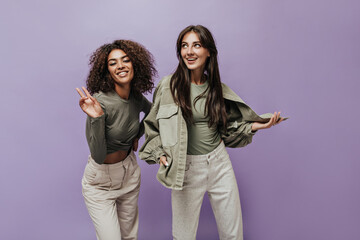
(299, 180)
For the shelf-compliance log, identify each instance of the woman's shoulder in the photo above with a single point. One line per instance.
(100, 95)
(162, 92)
(162, 85)
(104, 98)
(165, 81)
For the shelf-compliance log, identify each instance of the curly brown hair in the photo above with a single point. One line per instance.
(99, 78)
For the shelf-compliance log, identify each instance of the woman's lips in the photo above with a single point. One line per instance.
(191, 60)
(122, 74)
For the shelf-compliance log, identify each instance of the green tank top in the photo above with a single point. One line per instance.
(201, 139)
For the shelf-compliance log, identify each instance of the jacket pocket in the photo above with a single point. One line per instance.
(168, 124)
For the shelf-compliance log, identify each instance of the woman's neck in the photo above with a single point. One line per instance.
(197, 76)
(123, 91)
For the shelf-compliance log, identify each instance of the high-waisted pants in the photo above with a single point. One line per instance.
(111, 194)
(211, 173)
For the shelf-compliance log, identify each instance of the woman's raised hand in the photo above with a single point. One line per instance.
(275, 119)
(89, 104)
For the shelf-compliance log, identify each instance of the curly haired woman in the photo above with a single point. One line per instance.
(120, 72)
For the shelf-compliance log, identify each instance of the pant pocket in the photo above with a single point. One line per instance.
(96, 177)
(89, 174)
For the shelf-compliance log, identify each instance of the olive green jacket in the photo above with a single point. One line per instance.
(166, 131)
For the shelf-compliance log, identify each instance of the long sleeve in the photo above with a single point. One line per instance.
(152, 150)
(95, 135)
(238, 132)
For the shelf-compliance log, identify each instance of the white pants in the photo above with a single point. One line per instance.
(211, 173)
(111, 194)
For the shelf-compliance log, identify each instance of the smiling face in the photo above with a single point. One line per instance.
(193, 53)
(120, 67)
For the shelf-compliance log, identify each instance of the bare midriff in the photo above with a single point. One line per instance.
(116, 157)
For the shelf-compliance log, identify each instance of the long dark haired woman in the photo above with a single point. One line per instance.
(193, 118)
(120, 72)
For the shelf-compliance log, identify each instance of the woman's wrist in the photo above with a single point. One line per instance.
(254, 127)
(97, 115)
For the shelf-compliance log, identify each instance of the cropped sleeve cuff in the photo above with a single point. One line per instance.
(249, 131)
(97, 119)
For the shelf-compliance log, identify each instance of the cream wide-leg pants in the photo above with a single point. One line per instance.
(111, 194)
(211, 173)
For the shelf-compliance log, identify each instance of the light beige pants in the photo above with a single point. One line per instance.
(111, 194)
(211, 173)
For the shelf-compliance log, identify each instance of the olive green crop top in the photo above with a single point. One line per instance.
(116, 129)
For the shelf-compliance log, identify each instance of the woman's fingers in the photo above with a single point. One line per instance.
(86, 92)
(271, 121)
(86, 96)
(163, 161)
(83, 96)
(80, 92)
(82, 100)
(276, 116)
(279, 120)
(274, 120)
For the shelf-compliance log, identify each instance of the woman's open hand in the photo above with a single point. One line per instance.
(274, 120)
(89, 104)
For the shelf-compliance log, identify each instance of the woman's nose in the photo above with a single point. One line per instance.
(120, 65)
(190, 51)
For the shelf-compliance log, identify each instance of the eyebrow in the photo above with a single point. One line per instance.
(193, 42)
(114, 59)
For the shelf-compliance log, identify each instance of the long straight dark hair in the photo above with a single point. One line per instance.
(181, 80)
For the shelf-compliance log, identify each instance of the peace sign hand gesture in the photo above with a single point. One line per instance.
(89, 104)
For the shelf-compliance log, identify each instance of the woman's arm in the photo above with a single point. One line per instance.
(95, 125)
(95, 135)
(240, 132)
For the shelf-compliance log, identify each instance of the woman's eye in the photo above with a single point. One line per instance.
(112, 64)
(184, 46)
(126, 60)
(197, 45)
